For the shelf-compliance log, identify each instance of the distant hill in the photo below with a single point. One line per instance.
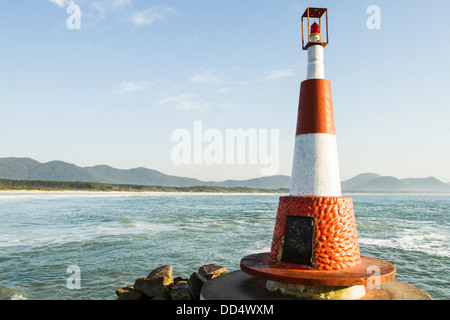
(361, 179)
(370, 182)
(273, 182)
(16, 168)
(29, 169)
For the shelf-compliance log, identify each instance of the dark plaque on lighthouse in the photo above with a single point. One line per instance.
(298, 240)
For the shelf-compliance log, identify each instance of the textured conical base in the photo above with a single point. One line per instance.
(334, 238)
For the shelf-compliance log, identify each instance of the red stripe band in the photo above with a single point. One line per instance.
(315, 114)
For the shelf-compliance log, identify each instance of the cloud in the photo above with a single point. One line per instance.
(131, 86)
(205, 77)
(105, 5)
(149, 16)
(226, 89)
(120, 3)
(62, 3)
(280, 73)
(185, 102)
(117, 11)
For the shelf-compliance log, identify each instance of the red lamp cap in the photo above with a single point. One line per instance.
(315, 28)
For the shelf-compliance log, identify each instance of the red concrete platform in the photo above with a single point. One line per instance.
(259, 265)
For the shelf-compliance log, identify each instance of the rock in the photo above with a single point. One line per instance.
(128, 293)
(180, 291)
(157, 284)
(124, 290)
(165, 272)
(160, 284)
(179, 279)
(195, 283)
(211, 271)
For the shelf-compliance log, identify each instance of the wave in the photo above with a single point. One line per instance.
(75, 194)
(134, 228)
(11, 294)
(411, 243)
(39, 240)
(78, 234)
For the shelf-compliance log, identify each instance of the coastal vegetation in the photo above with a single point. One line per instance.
(11, 185)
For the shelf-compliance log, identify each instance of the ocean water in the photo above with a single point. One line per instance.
(116, 238)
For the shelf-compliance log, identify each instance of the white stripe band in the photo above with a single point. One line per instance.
(315, 170)
(316, 69)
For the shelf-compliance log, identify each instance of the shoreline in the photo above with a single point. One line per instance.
(99, 192)
(131, 192)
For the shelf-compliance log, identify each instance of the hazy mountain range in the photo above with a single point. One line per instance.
(371, 182)
(29, 169)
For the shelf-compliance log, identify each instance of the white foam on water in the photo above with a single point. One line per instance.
(431, 244)
(68, 194)
(11, 294)
(256, 249)
(427, 237)
(35, 240)
(259, 211)
(38, 237)
(18, 296)
(155, 227)
(134, 228)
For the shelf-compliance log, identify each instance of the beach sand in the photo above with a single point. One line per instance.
(66, 192)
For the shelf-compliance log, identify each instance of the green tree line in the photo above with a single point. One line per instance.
(9, 184)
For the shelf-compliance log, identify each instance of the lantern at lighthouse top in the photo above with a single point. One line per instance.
(316, 33)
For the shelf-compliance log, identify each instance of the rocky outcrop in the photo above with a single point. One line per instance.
(211, 271)
(180, 291)
(157, 284)
(129, 293)
(160, 284)
(196, 282)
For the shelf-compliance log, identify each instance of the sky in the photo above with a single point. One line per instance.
(130, 83)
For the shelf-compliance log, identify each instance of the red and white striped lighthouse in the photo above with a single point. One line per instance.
(315, 251)
(316, 187)
(315, 244)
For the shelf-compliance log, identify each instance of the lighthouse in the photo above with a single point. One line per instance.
(315, 245)
(314, 252)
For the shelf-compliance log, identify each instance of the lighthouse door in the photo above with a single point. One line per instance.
(298, 240)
